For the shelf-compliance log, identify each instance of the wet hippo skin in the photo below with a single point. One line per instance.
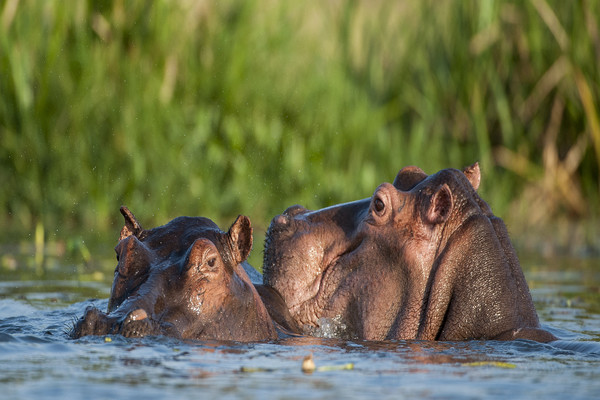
(423, 258)
(185, 279)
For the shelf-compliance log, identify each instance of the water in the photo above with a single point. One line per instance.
(37, 360)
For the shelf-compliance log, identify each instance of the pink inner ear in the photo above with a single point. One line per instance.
(125, 233)
(440, 206)
(240, 238)
(473, 174)
(132, 226)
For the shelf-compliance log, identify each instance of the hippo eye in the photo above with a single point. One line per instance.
(379, 205)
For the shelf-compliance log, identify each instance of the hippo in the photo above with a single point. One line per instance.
(424, 258)
(186, 279)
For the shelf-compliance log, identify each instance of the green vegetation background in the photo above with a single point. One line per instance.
(220, 108)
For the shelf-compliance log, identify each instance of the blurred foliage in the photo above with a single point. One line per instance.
(220, 108)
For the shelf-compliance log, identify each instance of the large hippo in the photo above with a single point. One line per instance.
(423, 258)
(184, 279)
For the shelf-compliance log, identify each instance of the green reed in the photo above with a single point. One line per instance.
(219, 108)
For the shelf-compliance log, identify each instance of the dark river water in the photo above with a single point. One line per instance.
(38, 360)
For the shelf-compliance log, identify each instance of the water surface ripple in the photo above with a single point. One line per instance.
(38, 360)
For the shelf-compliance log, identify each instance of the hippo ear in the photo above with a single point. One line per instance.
(409, 177)
(440, 206)
(239, 238)
(473, 174)
(132, 226)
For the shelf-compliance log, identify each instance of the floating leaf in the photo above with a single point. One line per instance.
(256, 369)
(498, 364)
(336, 367)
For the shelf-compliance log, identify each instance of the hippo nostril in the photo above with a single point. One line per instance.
(294, 210)
(93, 322)
(93, 314)
(281, 219)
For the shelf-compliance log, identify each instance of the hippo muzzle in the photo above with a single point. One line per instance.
(134, 324)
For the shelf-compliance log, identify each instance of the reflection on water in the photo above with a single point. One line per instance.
(37, 360)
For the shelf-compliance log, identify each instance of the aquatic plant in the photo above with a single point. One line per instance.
(219, 108)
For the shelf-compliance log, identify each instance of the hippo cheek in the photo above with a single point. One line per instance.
(294, 274)
(308, 307)
(306, 270)
(294, 253)
(195, 300)
(330, 291)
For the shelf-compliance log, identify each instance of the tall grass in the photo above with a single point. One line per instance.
(218, 108)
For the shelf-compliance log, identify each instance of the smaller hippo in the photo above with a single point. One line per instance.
(423, 258)
(185, 279)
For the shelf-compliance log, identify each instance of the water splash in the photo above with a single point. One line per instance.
(329, 328)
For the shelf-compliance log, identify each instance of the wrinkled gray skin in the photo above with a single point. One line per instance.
(185, 279)
(423, 258)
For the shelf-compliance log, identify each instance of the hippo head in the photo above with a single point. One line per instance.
(182, 279)
(423, 258)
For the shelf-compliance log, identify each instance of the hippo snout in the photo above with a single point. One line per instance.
(93, 322)
(285, 220)
(285, 223)
(294, 210)
(281, 220)
(138, 324)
